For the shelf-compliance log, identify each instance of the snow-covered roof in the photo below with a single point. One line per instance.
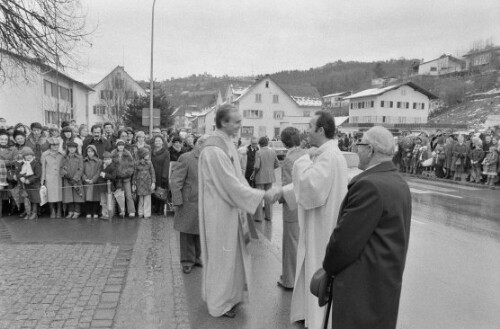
(307, 101)
(379, 91)
(336, 94)
(303, 95)
(340, 120)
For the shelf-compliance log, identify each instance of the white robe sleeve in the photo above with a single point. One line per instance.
(289, 196)
(229, 187)
(312, 181)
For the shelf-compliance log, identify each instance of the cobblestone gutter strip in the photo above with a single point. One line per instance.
(154, 296)
(58, 285)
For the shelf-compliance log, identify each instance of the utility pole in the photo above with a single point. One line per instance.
(151, 85)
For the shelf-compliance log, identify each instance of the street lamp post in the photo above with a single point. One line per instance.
(151, 77)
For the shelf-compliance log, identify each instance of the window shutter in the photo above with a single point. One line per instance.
(261, 113)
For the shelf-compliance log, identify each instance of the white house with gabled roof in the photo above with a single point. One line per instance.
(112, 94)
(401, 103)
(268, 107)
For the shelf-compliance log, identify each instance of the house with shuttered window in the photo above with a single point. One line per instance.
(268, 107)
(112, 95)
(397, 104)
(40, 93)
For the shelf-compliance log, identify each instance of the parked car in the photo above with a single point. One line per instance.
(279, 148)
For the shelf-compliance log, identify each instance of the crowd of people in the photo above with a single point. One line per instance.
(461, 157)
(94, 172)
(470, 157)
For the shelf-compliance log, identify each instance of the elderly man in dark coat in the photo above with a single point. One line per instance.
(367, 250)
(184, 187)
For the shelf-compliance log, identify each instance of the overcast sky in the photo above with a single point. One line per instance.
(248, 37)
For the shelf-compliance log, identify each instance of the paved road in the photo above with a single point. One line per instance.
(126, 274)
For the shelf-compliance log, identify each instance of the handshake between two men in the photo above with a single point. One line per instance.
(274, 194)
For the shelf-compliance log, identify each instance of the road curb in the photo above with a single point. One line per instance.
(486, 187)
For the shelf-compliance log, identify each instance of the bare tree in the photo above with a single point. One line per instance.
(43, 30)
(115, 97)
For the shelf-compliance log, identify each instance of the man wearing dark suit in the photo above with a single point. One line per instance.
(266, 161)
(367, 250)
(250, 155)
(100, 143)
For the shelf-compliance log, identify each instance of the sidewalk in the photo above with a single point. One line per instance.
(158, 295)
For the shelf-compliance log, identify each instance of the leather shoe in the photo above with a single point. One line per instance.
(281, 285)
(229, 314)
(187, 269)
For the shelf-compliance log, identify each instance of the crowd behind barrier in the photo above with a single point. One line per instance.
(75, 170)
(467, 157)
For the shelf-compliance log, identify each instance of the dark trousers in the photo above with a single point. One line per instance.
(190, 249)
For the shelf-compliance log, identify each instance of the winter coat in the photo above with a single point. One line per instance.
(8, 154)
(91, 170)
(448, 151)
(440, 155)
(71, 172)
(101, 146)
(184, 187)
(135, 151)
(110, 175)
(144, 176)
(476, 156)
(51, 175)
(33, 185)
(174, 154)
(490, 164)
(38, 146)
(124, 165)
(161, 165)
(415, 155)
(459, 152)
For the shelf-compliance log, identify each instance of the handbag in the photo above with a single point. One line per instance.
(160, 193)
(43, 195)
(458, 162)
(321, 286)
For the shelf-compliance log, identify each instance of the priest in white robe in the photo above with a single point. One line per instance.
(224, 199)
(319, 186)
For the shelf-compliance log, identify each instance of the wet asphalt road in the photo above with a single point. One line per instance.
(451, 280)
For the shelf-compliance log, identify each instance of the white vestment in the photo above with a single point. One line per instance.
(224, 199)
(318, 188)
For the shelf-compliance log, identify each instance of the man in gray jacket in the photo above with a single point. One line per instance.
(266, 161)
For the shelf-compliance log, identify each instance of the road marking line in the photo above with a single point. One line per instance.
(431, 187)
(450, 185)
(417, 191)
(417, 221)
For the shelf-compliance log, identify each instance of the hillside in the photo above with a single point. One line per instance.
(201, 90)
(473, 111)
